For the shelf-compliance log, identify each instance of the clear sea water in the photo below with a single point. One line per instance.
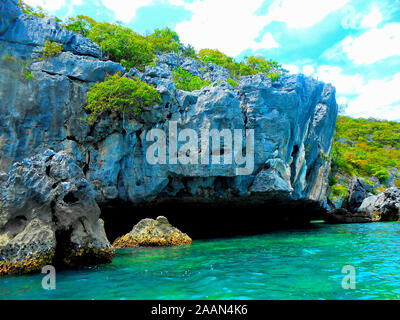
(294, 264)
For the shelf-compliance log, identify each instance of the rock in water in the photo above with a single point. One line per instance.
(150, 232)
(48, 215)
(383, 207)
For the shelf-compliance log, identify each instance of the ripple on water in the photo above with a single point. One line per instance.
(297, 264)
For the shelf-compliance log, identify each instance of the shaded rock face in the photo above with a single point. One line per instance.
(150, 232)
(48, 215)
(360, 205)
(293, 121)
(358, 191)
(383, 207)
(341, 216)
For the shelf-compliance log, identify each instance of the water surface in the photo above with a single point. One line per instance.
(295, 264)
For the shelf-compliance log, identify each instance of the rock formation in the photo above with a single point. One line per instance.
(150, 232)
(358, 190)
(360, 205)
(48, 215)
(382, 207)
(293, 118)
(293, 121)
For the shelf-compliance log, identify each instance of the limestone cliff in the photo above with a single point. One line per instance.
(293, 118)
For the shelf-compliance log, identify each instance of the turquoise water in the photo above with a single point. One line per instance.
(296, 264)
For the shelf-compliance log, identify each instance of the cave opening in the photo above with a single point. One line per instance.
(63, 245)
(70, 198)
(210, 220)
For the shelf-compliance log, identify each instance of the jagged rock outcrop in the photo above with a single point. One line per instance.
(48, 215)
(360, 205)
(293, 121)
(150, 232)
(358, 190)
(384, 206)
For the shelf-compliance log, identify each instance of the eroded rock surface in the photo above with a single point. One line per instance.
(48, 215)
(360, 205)
(358, 191)
(384, 206)
(293, 121)
(150, 232)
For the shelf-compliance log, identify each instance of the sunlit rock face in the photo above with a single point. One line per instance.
(293, 121)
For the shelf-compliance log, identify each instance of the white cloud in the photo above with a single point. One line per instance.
(291, 68)
(230, 26)
(308, 70)
(378, 99)
(372, 19)
(267, 42)
(125, 10)
(342, 100)
(354, 20)
(302, 14)
(344, 83)
(49, 5)
(373, 45)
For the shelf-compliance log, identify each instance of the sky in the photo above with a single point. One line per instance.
(353, 44)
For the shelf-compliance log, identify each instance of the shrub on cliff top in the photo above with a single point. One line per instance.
(81, 24)
(120, 94)
(123, 45)
(31, 11)
(184, 80)
(252, 65)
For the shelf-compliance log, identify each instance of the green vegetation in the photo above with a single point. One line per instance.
(366, 147)
(232, 82)
(188, 82)
(252, 65)
(131, 49)
(124, 45)
(338, 190)
(19, 68)
(51, 49)
(30, 11)
(81, 25)
(118, 93)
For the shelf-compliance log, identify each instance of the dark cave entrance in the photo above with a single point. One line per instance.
(209, 220)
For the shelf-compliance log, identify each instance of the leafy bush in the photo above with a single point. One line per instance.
(118, 93)
(51, 49)
(217, 57)
(165, 40)
(339, 190)
(122, 45)
(332, 181)
(81, 24)
(30, 11)
(130, 48)
(252, 65)
(232, 82)
(184, 80)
